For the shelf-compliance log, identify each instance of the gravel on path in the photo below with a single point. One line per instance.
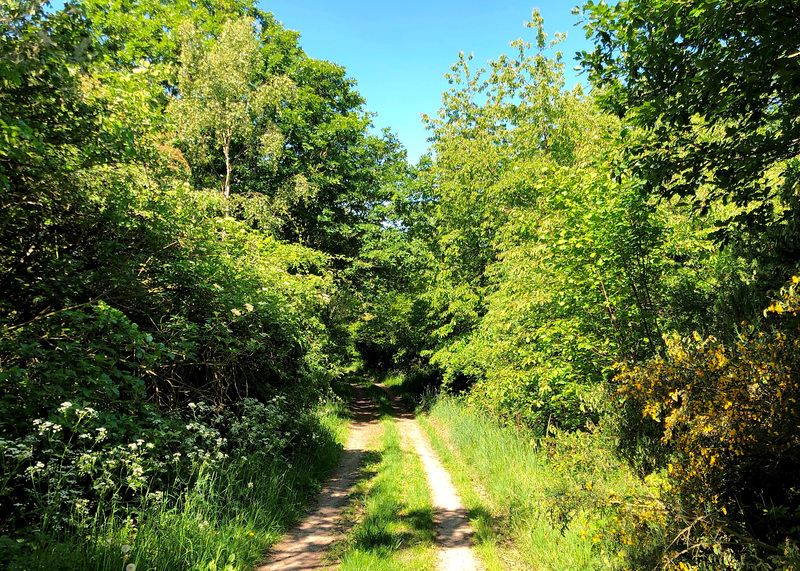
(454, 536)
(304, 548)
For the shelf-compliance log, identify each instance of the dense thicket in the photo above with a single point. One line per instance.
(147, 319)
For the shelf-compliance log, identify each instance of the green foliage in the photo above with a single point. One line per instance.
(547, 261)
(127, 296)
(576, 287)
(235, 490)
(390, 330)
(221, 102)
(309, 168)
(491, 124)
(550, 497)
(729, 415)
(713, 85)
(243, 326)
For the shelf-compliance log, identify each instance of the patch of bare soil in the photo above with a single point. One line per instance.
(304, 547)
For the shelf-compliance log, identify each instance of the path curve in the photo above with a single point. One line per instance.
(304, 548)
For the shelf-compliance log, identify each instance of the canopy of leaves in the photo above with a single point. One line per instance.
(221, 101)
(714, 85)
(125, 290)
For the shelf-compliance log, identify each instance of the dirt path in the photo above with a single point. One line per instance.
(454, 535)
(305, 547)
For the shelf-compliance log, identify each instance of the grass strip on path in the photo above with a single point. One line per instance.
(391, 509)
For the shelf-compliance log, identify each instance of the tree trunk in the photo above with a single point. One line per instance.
(226, 189)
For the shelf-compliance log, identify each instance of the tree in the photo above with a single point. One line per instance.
(326, 185)
(714, 84)
(492, 123)
(52, 133)
(220, 103)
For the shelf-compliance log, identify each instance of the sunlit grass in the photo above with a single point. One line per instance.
(546, 498)
(227, 520)
(392, 510)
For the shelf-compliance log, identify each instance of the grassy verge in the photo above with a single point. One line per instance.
(494, 552)
(391, 509)
(227, 520)
(550, 499)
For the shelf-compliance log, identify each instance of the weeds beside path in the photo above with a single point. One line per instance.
(304, 548)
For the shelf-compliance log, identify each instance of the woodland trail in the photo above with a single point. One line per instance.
(305, 547)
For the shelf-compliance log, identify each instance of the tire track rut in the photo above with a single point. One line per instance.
(304, 548)
(454, 536)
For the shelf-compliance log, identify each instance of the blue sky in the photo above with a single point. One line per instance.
(398, 52)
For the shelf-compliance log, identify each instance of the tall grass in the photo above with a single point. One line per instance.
(550, 497)
(225, 520)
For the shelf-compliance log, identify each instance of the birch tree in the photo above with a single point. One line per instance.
(221, 103)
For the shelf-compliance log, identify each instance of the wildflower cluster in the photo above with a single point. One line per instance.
(731, 417)
(80, 462)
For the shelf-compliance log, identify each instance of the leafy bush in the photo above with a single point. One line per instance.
(731, 418)
(217, 486)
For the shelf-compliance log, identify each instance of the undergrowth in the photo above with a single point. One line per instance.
(553, 499)
(222, 516)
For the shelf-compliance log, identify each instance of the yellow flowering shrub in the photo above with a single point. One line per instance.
(731, 415)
